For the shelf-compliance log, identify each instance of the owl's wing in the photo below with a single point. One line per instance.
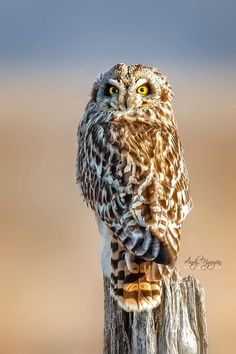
(133, 175)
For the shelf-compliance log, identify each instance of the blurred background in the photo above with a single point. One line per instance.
(51, 297)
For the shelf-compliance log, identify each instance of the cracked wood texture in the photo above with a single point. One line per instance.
(178, 326)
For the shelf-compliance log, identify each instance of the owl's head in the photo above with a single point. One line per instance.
(131, 87)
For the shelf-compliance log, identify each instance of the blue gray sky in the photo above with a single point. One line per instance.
(82, 32)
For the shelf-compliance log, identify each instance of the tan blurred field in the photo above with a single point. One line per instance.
(51, 299)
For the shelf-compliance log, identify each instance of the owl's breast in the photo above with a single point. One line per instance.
(136, 145)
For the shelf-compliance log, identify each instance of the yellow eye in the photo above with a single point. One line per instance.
(112, 90)
(143, 90)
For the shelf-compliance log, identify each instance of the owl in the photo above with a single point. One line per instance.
(131, 171)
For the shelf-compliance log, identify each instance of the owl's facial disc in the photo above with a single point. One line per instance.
(125, 98)
(129, 94)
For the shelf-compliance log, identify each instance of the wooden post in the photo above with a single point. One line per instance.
(178, 326)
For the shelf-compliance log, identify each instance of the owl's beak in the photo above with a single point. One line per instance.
(129, 102)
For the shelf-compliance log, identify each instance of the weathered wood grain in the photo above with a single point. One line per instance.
(178, 326)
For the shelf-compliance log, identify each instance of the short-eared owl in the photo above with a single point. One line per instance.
(131, 170)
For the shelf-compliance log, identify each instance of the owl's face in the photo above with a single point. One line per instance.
(131, 87)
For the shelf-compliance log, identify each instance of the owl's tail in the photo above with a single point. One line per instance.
(135, 283)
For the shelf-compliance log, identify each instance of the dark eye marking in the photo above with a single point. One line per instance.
(144, 89)
(110, 90)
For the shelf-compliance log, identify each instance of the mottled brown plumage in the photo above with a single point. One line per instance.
(131, 171)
